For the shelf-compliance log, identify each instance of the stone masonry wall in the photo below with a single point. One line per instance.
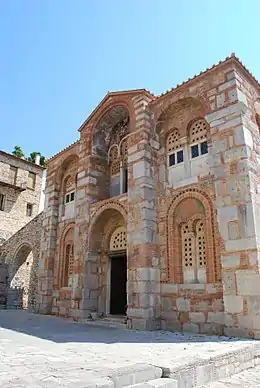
(19, 260)
(14, 217)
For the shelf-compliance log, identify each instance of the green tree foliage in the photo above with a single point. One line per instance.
(32, 158)
(18, 152)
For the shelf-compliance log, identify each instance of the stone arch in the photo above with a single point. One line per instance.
(14, 252)
(103, 213)
(178, 113)
(112, 126)
(21, 288)
(104, 222)
(62, 169)
(203, 126)
(200, 204)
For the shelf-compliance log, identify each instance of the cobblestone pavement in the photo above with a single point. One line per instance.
(248, 378)
(44, 351)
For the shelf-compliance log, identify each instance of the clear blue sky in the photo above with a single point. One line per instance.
(59, 57)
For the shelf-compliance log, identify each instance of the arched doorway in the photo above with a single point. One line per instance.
(22, 282)
(106, 267)
(117, 301)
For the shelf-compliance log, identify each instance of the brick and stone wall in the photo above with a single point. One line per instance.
(191, 218)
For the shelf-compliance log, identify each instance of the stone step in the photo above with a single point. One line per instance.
(114, 322)
(131, 376)
(157, 383)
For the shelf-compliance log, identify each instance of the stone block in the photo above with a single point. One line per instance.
(230, 261)
(232, 95)
(190, 328)
(229, 283)
(241, 244)
(197, 317)
(223, 112)
(253, 304)
(169, 288)
(247, 283)
(218, 318)
(148, 274)
(233, 304)
(227, 85)
(183, 304)
(221, 100)
(211, 288)
(171, 326)
(245, 321)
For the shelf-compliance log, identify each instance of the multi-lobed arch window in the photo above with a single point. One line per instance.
(67, 258)
(118, 168)
(193, 251)
(176, 148)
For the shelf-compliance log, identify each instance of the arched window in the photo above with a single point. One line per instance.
(118, 164)
(198, 138)
(114, 166)
(175, 153)
(124, 172)
(67, 260)
(193, 252)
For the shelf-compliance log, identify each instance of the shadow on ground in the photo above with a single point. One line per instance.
(62, 330)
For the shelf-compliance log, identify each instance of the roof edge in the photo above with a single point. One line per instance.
(111, 94)
(61, 151)
(210, 69)
(22, 160)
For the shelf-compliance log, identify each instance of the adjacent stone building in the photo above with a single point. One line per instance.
(153, 214)
(21, 195)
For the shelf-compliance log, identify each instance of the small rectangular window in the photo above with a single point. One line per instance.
(72, 196)
(2, 202)
(195, 151)
(180, 157)
(125, 180)
(204, 148)
(29, 209)
(67, 199)
(13, 175)
(172, 160)
(31, 180)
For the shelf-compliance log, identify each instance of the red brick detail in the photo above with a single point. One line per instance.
(173, 220)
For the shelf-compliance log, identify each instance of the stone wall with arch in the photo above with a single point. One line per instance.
(20, 254)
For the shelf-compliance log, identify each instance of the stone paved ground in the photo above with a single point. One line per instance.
(249, 378)
(43, 351)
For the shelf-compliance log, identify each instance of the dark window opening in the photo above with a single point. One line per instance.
(180, 156)
(29, 209)
(125, 180)
(172, 160)
(204, 148)
(194, 151)
(2, 202)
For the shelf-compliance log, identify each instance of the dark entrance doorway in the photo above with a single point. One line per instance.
(118, 284)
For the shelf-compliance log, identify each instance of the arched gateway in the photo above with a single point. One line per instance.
(106, 265)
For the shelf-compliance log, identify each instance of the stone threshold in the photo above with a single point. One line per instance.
(113, 321)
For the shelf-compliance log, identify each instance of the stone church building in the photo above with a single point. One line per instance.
(153, 214)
